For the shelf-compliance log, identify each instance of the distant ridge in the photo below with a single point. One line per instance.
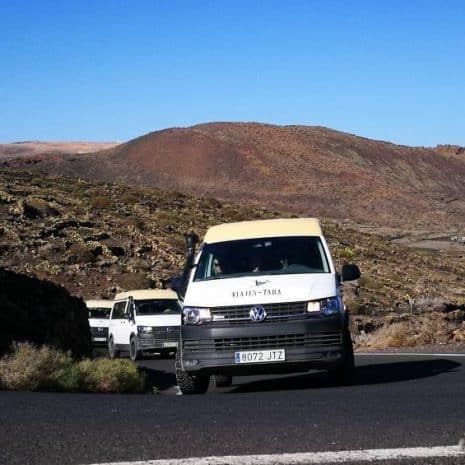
(303, 169)
(36, 147)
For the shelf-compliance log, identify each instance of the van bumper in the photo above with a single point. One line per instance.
(315, 343)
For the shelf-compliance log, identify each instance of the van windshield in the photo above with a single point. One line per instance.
(99, 312)
(252, 257)
(157, 307)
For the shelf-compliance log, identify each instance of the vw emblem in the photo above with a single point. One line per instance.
(257, 313)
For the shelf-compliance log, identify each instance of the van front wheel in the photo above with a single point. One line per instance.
(190, 384)
(134, 352)
(344, 372)
(112, 351)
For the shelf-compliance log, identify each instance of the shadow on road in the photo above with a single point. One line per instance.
(159, 371)
(378, 373)
(161, 379)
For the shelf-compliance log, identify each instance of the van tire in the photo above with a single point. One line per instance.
(190, 384)
(222, 380)
(112, 351)
(345, 370)
(134, 352)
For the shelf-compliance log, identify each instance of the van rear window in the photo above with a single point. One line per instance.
(277, 255)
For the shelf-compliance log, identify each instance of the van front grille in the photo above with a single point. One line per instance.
(159, 335)
(277, 312)
(320, 339)
(98, 332)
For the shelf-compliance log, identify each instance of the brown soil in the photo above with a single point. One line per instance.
(96, 239)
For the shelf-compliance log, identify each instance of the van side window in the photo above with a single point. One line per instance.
(118, 310)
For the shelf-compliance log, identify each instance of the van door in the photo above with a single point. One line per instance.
(119, 323)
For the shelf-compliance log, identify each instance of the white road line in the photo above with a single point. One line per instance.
(407, 354)
(306, 458)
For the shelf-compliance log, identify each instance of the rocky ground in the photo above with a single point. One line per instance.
(96, 239)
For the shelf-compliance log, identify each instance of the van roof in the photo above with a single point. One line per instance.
(99, 303)
(141, 294)
(263, 228)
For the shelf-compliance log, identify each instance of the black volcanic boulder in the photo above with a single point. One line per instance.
(42, 313)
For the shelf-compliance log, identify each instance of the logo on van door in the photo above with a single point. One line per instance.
(257, 313)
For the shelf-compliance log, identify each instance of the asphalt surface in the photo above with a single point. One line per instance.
(394, 401)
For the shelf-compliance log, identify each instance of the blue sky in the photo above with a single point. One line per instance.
(114, 70)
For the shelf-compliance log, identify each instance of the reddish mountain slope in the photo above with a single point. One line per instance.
(310, 170)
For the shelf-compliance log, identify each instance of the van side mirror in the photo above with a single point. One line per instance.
(130, 313)
(350, 272)
(176, 285)
(179, 283)
(191, 240)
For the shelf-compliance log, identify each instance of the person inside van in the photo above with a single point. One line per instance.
(216, 267)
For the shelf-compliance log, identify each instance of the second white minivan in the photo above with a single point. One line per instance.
(144, 321)
(99, 313)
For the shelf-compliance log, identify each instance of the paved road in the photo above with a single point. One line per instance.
(394, 402)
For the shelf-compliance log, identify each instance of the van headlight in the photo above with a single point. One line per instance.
(196, 315)
(145, 329)
(329, 306)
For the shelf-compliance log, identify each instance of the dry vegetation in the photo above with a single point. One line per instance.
(96, 239)
(30, 368)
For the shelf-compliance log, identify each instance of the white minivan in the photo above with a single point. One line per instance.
(262, 297)
(144, 321)
(99, 314)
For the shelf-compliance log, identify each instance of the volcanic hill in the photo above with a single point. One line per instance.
(301, 169)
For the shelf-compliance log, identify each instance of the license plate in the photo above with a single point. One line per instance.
(260, 356)
(170, 344)
(99, 339)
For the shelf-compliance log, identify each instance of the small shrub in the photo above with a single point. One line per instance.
(104, 375)
(138, 223)
(29, 368)
(177, 242)
(43, 182)
(100, 202)
(166, 220)
(353, 304)
(137, 280)
(370, 283)
(430, 303)
(348, 254)
(398, 335)
(130, 199)
(83, 253)
(393, 335)
(34, 208)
